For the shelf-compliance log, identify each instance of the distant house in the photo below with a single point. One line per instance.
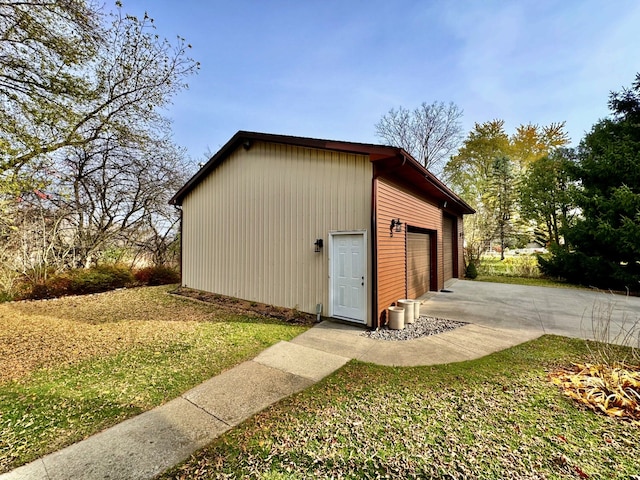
(302, 222)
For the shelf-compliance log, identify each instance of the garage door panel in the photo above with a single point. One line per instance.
(418, 264)
(447, 247)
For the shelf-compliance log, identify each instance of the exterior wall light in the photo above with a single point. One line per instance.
(318, 244)
(396, 225)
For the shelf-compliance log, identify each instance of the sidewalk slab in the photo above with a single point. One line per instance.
(300, 360)
(31, 471)
(243, 391)
(338, 339)
(138, 448)
(465, 343)
(480, 341)
(411, 353)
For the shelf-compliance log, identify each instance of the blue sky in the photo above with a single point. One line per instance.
(331, 69)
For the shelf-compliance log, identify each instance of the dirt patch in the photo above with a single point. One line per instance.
(245, 307)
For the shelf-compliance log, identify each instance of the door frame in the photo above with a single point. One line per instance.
(365, 260)
(433, 258)
(453, 247)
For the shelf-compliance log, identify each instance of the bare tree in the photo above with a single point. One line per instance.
(430, 133)
(116, 195)
(59, 94)
(99, 160)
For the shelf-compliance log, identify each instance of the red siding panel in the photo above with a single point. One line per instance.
(393, 201)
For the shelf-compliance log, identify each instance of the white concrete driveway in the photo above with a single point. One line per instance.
(557, 311)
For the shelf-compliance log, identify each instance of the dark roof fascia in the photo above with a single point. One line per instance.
(434, 185)
(466, 209)
(376, 153)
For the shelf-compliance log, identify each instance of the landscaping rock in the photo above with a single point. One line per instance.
(422, 327)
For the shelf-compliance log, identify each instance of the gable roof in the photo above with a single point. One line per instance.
(386, 160)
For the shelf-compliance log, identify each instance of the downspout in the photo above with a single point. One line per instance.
(374, 254)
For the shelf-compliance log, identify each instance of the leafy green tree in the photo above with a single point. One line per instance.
(471, 174)
(532, 142)
(470, 169)
(86, 164)
(85, 76)
(546, 194)
(44, 45)
(501, 198)
(604, 244)
(486, 172)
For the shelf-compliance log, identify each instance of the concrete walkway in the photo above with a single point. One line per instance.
(146, 445)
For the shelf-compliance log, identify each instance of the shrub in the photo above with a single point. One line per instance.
(76, 282)
(38, 290)
(158, 275)
(472, 271)
(58, 285)
(582, 269)
(100, 279)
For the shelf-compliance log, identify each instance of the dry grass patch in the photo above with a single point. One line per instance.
(612, 390)
(51, 333)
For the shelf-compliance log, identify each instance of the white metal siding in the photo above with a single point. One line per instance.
(249, 226)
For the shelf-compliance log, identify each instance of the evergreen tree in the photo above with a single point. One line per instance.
(604, 244)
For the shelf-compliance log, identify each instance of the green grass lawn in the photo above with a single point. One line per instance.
(71, 367)
(511, 266)
(496, 417)
(530, 281)
(517, 270)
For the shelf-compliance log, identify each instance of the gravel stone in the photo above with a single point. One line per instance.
(422, 327)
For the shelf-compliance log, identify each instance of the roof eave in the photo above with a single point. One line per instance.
(375, 152)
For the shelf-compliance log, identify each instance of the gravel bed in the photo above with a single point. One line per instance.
(422, 327)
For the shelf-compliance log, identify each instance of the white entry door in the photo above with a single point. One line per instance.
(348, 282)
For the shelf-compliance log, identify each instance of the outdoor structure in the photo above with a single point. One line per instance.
(338, 228)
